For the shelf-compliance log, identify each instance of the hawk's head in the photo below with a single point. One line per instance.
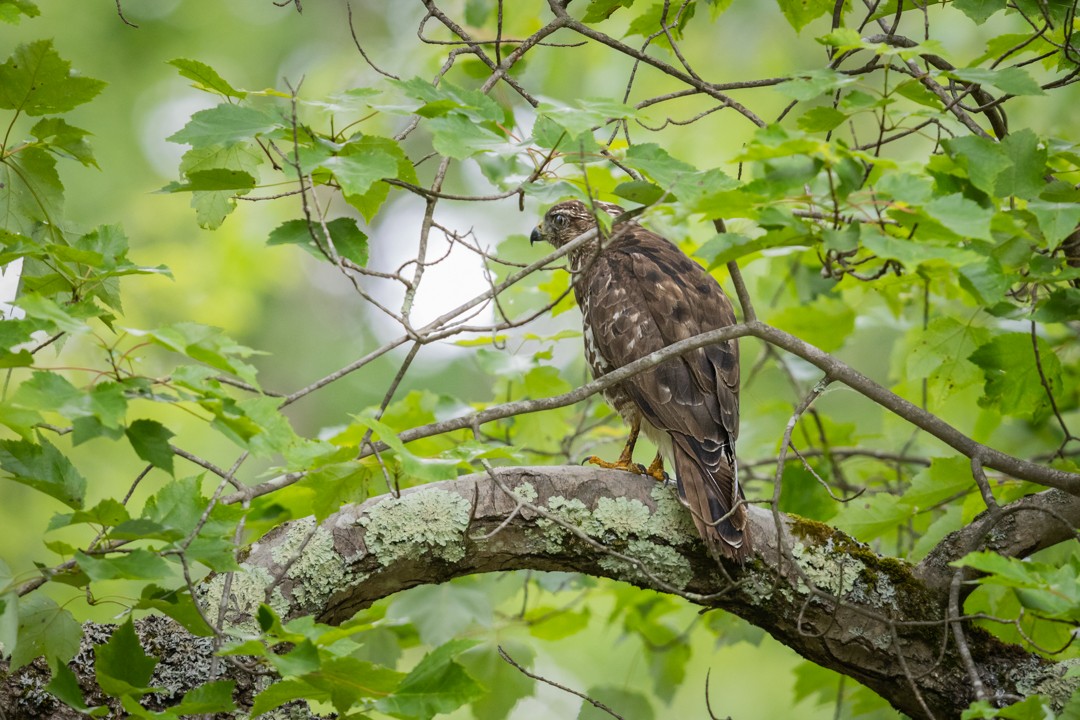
(565, 221)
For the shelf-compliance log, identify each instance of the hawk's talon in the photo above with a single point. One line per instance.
(656, 470)
(620, 464)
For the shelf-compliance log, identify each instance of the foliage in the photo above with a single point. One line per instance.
(883, 206)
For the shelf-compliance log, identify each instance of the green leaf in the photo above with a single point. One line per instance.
(986, 281)
(447, 97)
(47, 391)
(121, 665)
(177, 604)
(12, 11)
(356, 173)
(45, 629)
(551, 623)
(570, 127)
(436, 685)
(917, 92)
(36, 81)
(912, 254)
(213, 206)
(821, 119)
(255, 423)
(802, 494)
(284, 691)
(368, 203)
(723, 248)
(108, 512)
(868, 518)
(216, 179)
(64, 139)
(815, 83)
(650, 21)
(1012, 80)
(944, 478)
(964, 217)
(460, 607)
(205, 344)
(458, 137)
(640, 191)
(420, 468)
(225, 124)
(301, 659)
(940, 354)
(179, 506)
(826, 322)
(508, 684)
(349, 240)
(68, 318)
(983, 159)
(206, 78)
(64, 685)
(1026, 175)
(150, 439)
(841, 38)
(477, 12)
(620, 700)
(136, 564)
(9, 609)
(598, 10)
(1049, 590)
(695, 188)
(30, 192)
(1057, 220)
(346, 680)
(213, 697)
(1013, 383)
(43, 467)
(1063, 305)
(979, 10)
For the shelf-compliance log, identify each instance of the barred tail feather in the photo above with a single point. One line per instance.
(708, 487)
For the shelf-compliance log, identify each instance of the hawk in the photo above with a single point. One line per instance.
(639, 293)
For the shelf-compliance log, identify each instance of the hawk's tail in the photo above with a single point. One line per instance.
(708, 486)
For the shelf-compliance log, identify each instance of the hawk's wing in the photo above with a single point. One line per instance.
(644, 294)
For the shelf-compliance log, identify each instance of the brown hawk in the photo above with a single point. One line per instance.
(639, 293)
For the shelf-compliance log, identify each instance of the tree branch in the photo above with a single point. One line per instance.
(830, 598)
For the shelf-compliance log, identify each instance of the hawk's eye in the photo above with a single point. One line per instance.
(560, 221)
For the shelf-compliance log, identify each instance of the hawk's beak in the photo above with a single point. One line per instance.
(535, 237)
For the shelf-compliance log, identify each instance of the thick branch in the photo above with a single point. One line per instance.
(831, 599)
(1020, 529)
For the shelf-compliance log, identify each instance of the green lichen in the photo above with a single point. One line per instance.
(246, 592)
(570, 511)
(525, 492)
(670, 520)
(828, 570)
(883, 581)
(316, 569)
(873, 636)
(621, 518)
(660, 561)
(430, 522)
(758, 588)
(628, 524)
(1050, 680)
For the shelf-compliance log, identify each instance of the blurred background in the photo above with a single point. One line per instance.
(309, 321)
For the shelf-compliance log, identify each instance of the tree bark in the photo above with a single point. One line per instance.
(830, 598)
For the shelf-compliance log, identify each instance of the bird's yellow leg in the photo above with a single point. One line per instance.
(656, 469)
(626, 457)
